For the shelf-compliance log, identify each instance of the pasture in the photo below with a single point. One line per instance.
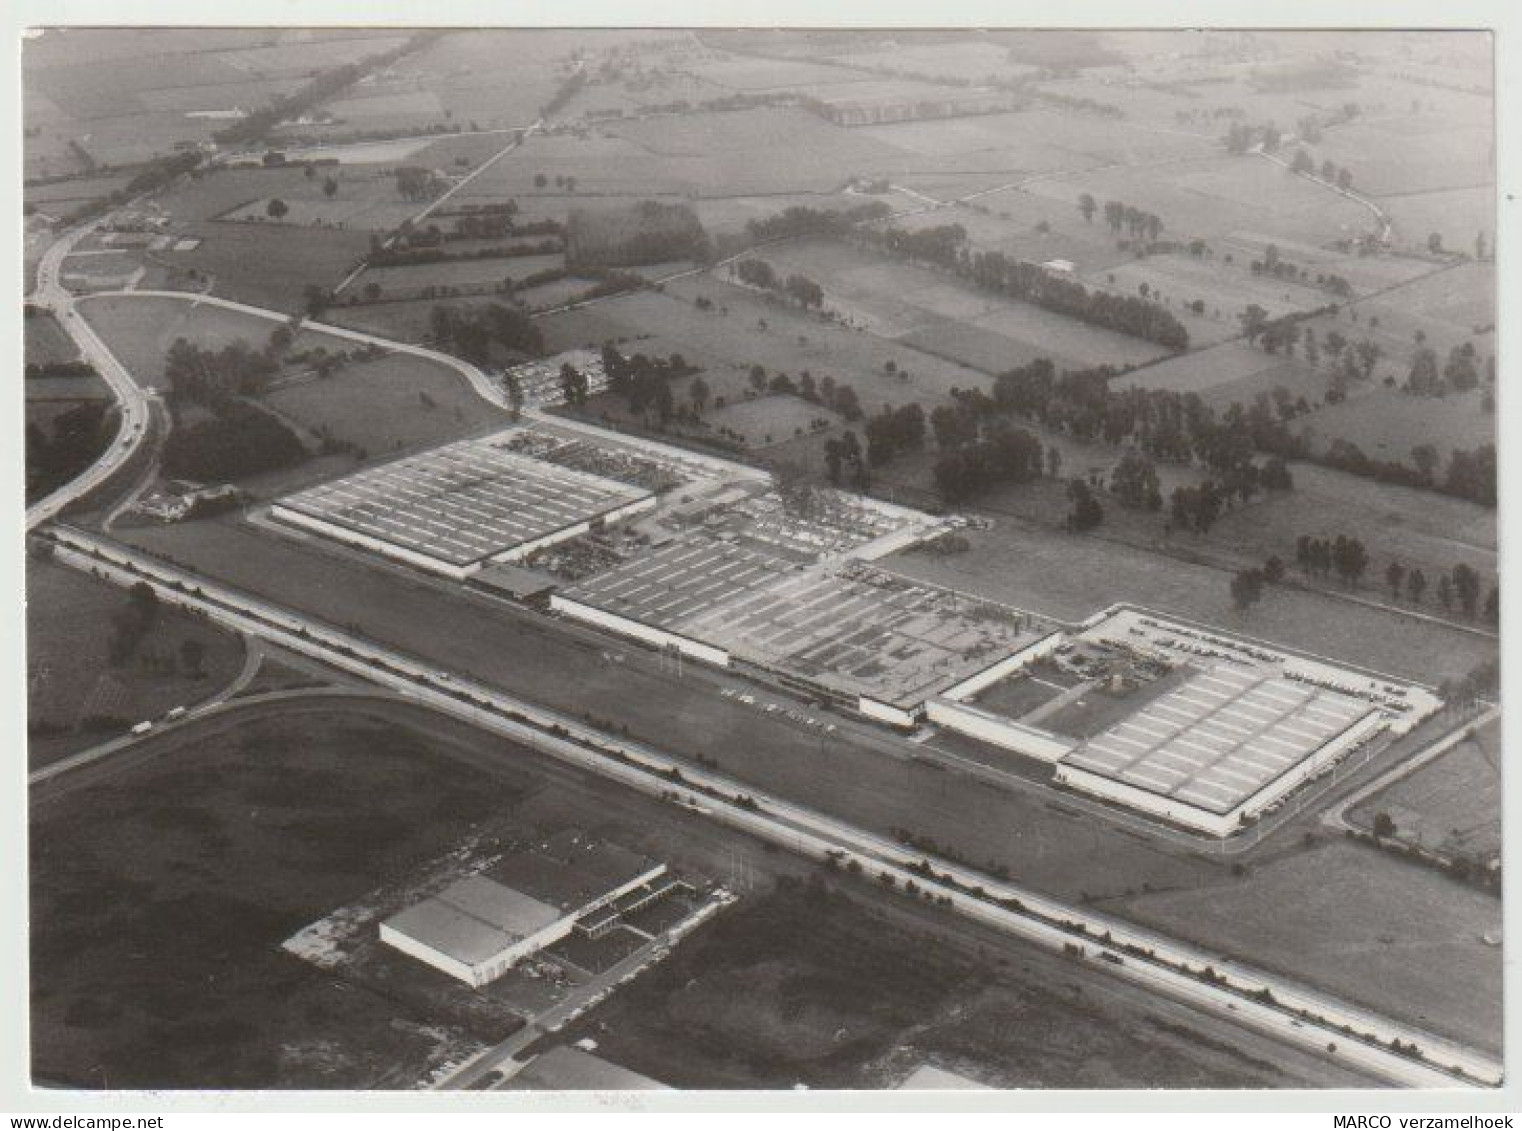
(395, 404)
(769, 420)
(1387, 423)
(1031, 565)
(829, 987)
(1230, 372)
(44, 341)
(736, 153)
(894, 300)
(745, 329)
(1353, 920)
(76, 697)
(470, 274)
(1452, 804)
(1216, 196)
(206, 858)
(269, 265)
(139, 329)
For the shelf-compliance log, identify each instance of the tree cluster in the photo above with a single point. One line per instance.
(893, 431)
(470, 334)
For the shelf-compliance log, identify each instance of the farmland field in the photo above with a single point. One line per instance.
(895, 300)
(729, 154)
(397, 403)
(1382, 932)
(44, 341)
(76, 697)
(807, 985)
(139, 329)
(1037, 568)
(1387, 423)
(726, 345)
(187, 871)
(269, 265)
(1452, 804)
(1231, 371)
(472, 273)
(404, 321)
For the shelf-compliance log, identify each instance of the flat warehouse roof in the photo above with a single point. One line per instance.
(666, 588)
(1220, 737)
(465, 501)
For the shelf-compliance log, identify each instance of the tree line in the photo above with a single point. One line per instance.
(470, 334)
(946, 247)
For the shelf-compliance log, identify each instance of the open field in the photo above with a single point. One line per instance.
(398, 282)
(895, 300)
(1230, 372)
(1458, 215)
(140, 329)
(404, 321)
(1399, 938)
(1452, 804)
(70, 678)
(394, 404)
(1035, 567)
(727, 341)
(810, 985)
(1219, 195)
(44, 341)
(269, 265)
(769, 419)
(160, 899)
(732, 153)
(1387, 423)
(128, 95)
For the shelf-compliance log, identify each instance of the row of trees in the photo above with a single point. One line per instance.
(1137, 222)
(797, 221)
(1460, 588)
(946, 246)
(808, 294)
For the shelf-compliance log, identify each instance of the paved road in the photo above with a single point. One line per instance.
(477, 378)
(135, 404)
(1238, 992)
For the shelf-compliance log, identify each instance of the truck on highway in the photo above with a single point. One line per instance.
(142, 728)
(176, 713)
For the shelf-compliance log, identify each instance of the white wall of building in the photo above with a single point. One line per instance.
(626, 627)
(966, 719)
(364, 541)
(1005, 667)
(885, 712)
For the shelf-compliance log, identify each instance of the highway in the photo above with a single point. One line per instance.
(134, 403)
(1234, 991)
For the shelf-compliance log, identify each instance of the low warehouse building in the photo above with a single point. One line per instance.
(479, 927)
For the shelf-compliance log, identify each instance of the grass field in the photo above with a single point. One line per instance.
(1382, 932)
(44, 341)
(896, 300)
(1452, 804)
(806, 985)
(1231, 371)
(160, 899)
(1387, 423)
(140, 329)
(396, 282)
(269, 265)
(727, 341)
(1033, 566)
(1216, 196)
(404, 321)
(770, 419)
(70, 678)
(737, 153)
(381, 407)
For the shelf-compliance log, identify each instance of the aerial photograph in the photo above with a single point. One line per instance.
(760, 560)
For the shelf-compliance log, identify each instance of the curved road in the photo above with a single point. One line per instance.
(135, 404)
